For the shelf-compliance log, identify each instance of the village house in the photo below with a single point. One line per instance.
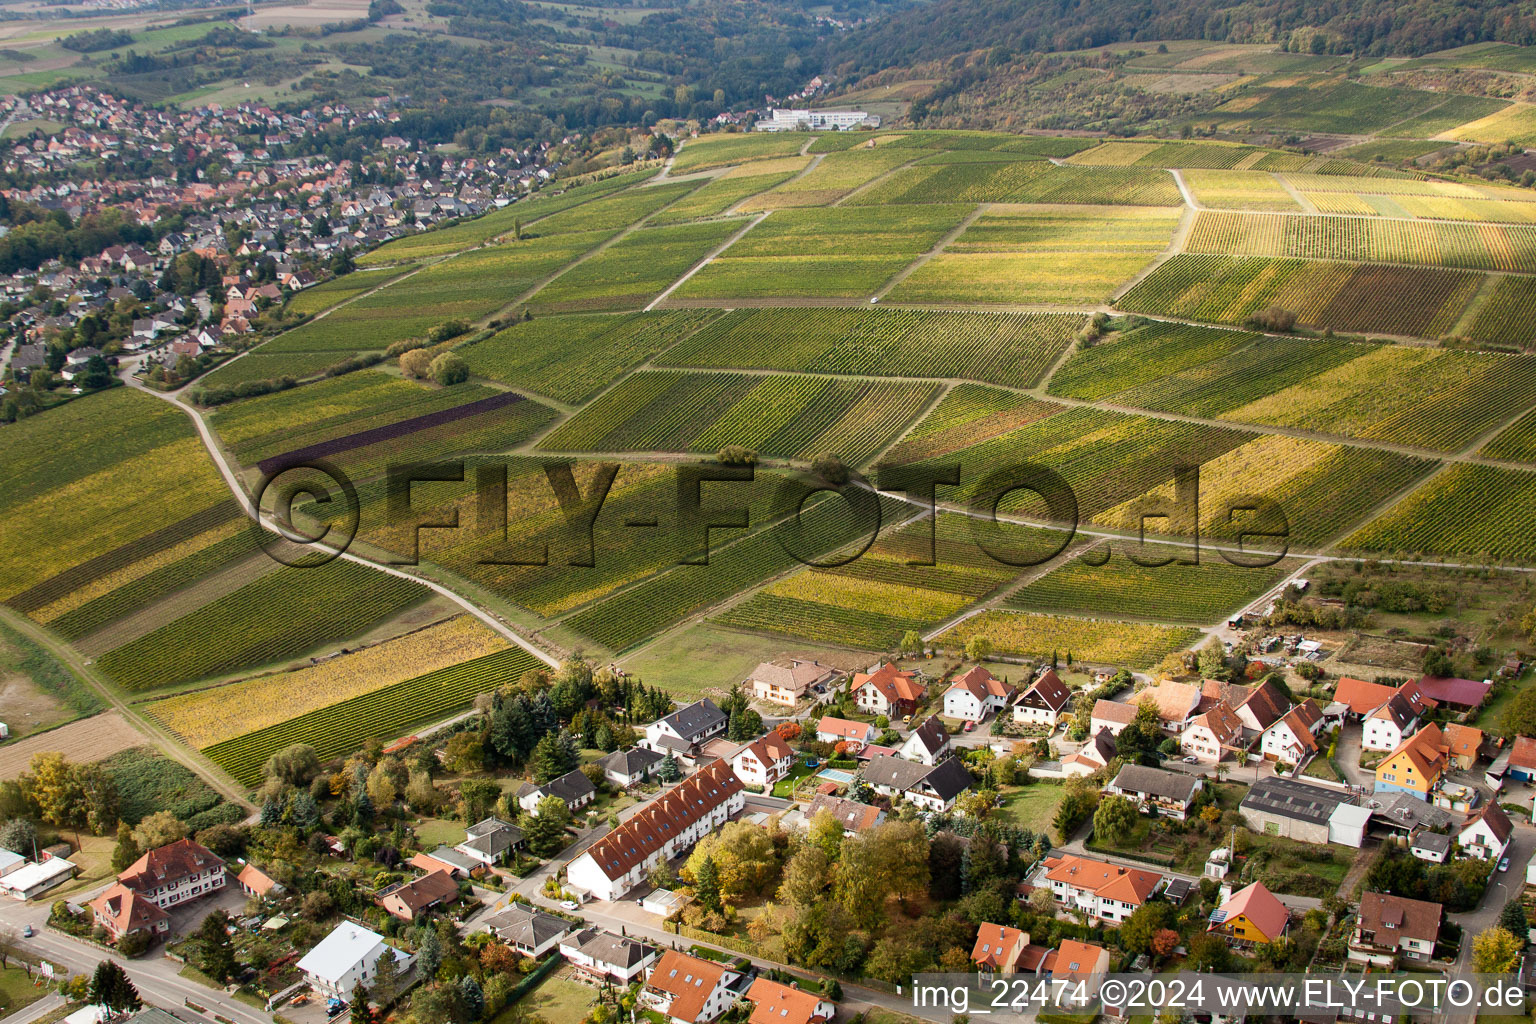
(165, 877)
(1250, 917)
(1486, 833)
(491, 841)
(1463, 745)
(975, 695)
(527, 929)
(1522, 759)
(764, 761)
(1043, 702)
(998, 948)
(573, 787)
(604, 956)
(659, 831)
(852, 815)
(1213, 735)
(777, 1003)
(1295, 810)
(1453, 693)
(1093, 755)
(626, 768)
(683, 733)
(887, 691)
(839, 730)
(1169, 794)
(787, 680)
(1388, 927)
(347, 957)
(1416, 766)
(1386, 727)
(1111, 716)
(932, 788)
(1431, 846)
(1078, 971)
(928, 744)
(1257, 708)
(690, 990)
(257, 884)
(1293, 737)
(1176, 705)
(419, 896)
(1103, 891)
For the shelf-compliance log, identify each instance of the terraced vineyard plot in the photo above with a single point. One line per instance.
(1477, 247)
(776, 415)
(271, 425)
(263, 365)
(1143, 353)
(1434, 398)
(1468, 511)
(477, 231)
(1106, 458)
(1246, 375)
(1042, 255)
(1493, 210)
(613, 212)
(328, 293)
(1012, 349)
(283, 614)
(469, 287)
(1307, 182)
(835, 177)
(1504, 318)
(497, 423)
(1319, 103)
(1456, 110)
(969, 413)
(1321, 489)
(791, 277)
(1392, 150)
(1411, 301)
(1515, 123)
(1239, 190)
(635, 269)
(93, 475)
(849, 231)
(1091, 641)
(874, 600)
(1516, 442)
(381, 714)
(644, 610)
(721, 194)
(205, 717)
(1166, 154)
(571, 358)
(1196, 594)
(1024, 181)
(719, 150)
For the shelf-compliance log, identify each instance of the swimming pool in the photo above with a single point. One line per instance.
(836, 775)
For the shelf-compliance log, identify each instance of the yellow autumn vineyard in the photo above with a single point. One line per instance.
(224, 712)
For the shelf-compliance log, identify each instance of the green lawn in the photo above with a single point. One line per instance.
(1032, 806)
(17, 990)
(558, 998)
(785, 788)
(705, 660)
(434, 832)
(1489, 715)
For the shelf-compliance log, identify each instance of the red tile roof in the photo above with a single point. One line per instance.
(1110, 881)
(664, 818)
(892, 683)
(687, 979)
(125, 910)
(169, 865)
(773, 1003)
(1262, 909)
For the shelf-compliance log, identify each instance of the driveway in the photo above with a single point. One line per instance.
(1348, 757)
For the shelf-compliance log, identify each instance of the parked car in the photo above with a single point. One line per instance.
(1504, 864)
(969, 726)
(568, 905)
(1191, 759)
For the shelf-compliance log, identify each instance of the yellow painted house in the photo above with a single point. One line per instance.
(1252, 917)
(1416, 765)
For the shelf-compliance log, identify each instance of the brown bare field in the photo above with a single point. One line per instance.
(25, 708)
(90, 739)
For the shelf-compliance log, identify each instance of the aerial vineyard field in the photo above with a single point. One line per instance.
(571, 358)
(642, 611)
(791, 277)
(1140, 353)
(1455, 110)
(1239, 190)
(1468, 511)
(614, 211)
(1022, 255)
(328, 293)
(1319, 103)
(776, 414)
(1472, 246)
(1322, 489)
(1245, 375)
(1410, 301)
(1012, 349)
(1023, 181)
(1307, 182)
(969, 413)
(205, 717)
(263, 365)
(93, 475)
(1432, 398)
(849, 231)
(726, 191)
(720, 150)
(1200, 595)
(633, 270)
(1515, 123)
(1391, 150)
(1166, 154)
(1090, 641)
(380, 714)
(479, 230)
(286, 613)
(1504, 318)
(469, 286)
(1516, 442)
(833, 178)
